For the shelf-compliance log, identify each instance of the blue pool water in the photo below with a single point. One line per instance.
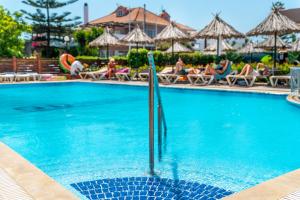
(78, 132)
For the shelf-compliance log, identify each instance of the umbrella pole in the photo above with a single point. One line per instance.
(107, 52)
(137, 60)
(275, 53)
(172, 43)
(219, 40)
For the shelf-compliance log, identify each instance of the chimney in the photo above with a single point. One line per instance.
(85, 14)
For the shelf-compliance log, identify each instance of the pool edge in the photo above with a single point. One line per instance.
(273, 189)
(31, 179)
(221, 88)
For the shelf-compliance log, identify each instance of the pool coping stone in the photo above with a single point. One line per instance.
(31, 180)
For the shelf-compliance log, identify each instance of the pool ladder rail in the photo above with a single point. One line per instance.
(161, 120)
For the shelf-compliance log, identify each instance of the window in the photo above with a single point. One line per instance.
(120, 13)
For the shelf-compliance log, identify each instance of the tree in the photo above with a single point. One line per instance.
(50, 24)
(11, 28)
(83, 37)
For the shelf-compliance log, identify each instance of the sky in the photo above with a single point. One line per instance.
(241, 14)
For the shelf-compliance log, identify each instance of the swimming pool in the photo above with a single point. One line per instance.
(78, 132)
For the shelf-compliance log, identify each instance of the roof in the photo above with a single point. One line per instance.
(136, 15)
(293, 14)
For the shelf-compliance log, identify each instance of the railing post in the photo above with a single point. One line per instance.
(14, 64)
(151, 122)
(159, 127)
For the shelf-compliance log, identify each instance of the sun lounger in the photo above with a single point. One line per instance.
(34, 76)
(7, 77)
(99, 74)
(123, 74)
(46, 77)
(162, 75)
(22, 77)
(200, 79)
(249, 79)
(144, 75)
(285, 78)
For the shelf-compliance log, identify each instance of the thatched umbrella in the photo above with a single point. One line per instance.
(296, 46)
(214, 47)
(269, 43)
(137, 36)
(250, 48)
(218, 29)
(171, 33)
(275, 24)
(178, 48)
(107, 39)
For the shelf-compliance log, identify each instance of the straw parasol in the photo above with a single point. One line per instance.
(178, 48)
(275, 24)
(296, 46)
(105, 40)
(137, 36)
(269, 43)
(214, 47)
(171, 33)
(218, 29)
(250, 48)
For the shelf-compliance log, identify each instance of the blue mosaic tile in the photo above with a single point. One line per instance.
(148, 188)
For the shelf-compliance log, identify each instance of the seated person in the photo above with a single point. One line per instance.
(262, 69)
(247, 71)
(180, 68)
(111, 68)
(220, 69)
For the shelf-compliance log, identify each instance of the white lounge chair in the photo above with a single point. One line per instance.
(165, 75)
(200, 79)
(99, 74)
(7, 77)
(144, 75)
(22, 77)
(123, 74)
(249, 79)
(285, 78)
(34, 76)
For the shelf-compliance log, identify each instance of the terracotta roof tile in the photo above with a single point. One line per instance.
(136, 15)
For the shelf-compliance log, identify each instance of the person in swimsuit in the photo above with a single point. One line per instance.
(111, 68)
(220, 69)
(180, 68)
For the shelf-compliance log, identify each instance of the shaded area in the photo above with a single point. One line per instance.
(148, 188)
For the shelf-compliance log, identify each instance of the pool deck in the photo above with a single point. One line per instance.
(19, 179)
(274, 189)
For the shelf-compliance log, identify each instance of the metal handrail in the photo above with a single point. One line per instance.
(156, 86)
(153, 86)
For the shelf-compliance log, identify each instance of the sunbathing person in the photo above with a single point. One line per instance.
(220, 69)
(111, 68)
(247, 71)
(180, 68)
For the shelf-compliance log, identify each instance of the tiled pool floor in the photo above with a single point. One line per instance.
(140, 188)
